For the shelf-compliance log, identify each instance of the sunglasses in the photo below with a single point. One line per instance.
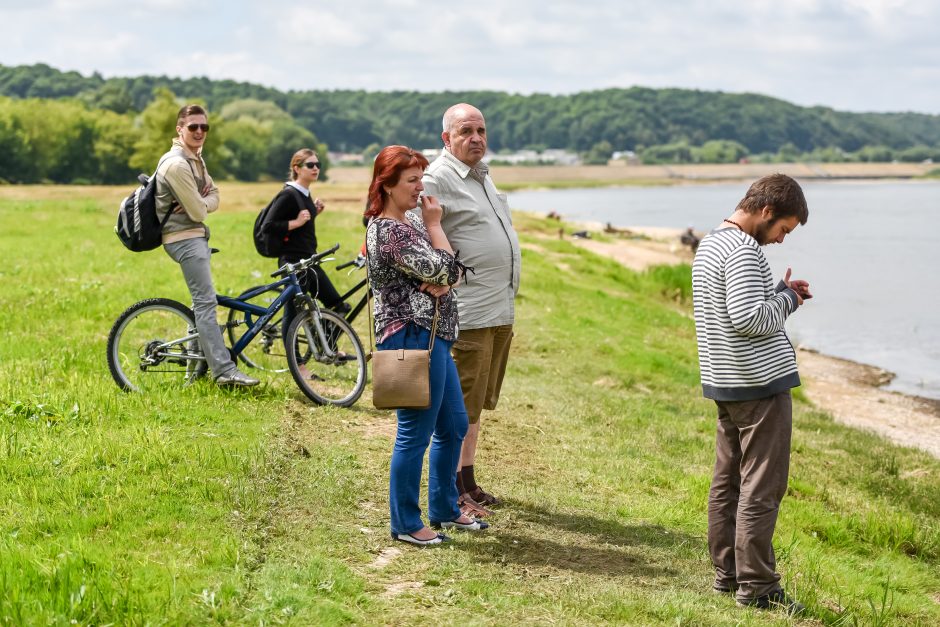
(198, 127)
(313, 164)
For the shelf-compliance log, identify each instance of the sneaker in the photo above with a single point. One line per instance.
(725, 587)
(342, 308)
(776, 600)
(236, 378)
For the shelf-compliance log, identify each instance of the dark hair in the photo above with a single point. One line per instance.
(389, 164)
(299, 157)
(781, 193)
(188, 110)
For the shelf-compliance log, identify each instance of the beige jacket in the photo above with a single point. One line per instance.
(180, 177)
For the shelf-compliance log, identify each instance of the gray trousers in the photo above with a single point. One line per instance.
(193, 257)
(751, 468)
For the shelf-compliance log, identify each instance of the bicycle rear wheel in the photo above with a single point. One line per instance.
(266, 352)
(330, 374)
(154, 345)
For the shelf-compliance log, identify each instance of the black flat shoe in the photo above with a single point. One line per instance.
(475, 525)
(410, 539)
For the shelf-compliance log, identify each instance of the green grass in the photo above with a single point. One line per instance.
(255, 507)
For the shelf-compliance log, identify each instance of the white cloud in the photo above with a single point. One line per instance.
(848, 54)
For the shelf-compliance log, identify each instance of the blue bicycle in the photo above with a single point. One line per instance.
(154, 344)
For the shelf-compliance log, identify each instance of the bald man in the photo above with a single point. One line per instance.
(478, 224)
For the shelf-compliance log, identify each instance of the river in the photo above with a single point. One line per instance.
(870, 250)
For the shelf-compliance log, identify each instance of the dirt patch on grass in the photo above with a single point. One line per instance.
(385, 557)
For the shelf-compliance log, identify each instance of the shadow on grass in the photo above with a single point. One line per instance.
(536, 537)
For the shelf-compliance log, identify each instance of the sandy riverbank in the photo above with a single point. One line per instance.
(847, 390)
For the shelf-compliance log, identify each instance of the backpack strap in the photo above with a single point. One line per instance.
(298, 195)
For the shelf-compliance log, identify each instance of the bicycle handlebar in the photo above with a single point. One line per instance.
(359, 262)
(303, 264)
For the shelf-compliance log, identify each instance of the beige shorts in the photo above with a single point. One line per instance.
(481, 356)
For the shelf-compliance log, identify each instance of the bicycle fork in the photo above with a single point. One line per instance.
(318, 332)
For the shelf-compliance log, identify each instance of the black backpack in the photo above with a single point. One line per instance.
(137, 225)
(269, 244)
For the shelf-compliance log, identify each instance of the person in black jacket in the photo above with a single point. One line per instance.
(293, 216)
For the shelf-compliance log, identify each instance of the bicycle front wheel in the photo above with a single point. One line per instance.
(266, 351)
(330, 373)
(154, 345)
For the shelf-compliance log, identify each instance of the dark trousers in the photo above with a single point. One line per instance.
(751, 468)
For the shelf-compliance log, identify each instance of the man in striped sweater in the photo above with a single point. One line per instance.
(748, 367)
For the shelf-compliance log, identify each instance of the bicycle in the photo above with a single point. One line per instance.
(158, 336)
(267, 354)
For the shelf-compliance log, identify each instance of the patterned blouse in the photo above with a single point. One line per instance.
(401, 258)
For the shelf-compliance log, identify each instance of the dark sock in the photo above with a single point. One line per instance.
(468, 481)
(460, 488)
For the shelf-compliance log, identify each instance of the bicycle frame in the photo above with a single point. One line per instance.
(291, 289)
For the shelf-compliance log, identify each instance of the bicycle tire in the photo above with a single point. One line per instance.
(133, 355)
(265, 352)
(338, 380)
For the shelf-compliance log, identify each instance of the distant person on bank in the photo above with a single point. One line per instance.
(411, 269)
(185, 189)
(478, 224)
(748, 367)
(293, 219)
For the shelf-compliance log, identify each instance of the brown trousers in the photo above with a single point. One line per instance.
(481, 356)
(751, 468)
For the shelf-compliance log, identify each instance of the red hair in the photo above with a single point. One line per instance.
(389, 164)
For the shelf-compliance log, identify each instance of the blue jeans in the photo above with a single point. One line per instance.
(446, 420)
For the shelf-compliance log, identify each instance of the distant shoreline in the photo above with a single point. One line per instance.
(511, 178)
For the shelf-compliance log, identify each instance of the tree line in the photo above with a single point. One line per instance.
(105, 130)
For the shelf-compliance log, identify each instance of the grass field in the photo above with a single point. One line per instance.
(255, 507)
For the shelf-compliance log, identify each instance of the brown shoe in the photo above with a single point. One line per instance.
(484, 498)
(470, 507)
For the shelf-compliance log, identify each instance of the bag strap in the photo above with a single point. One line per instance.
(437, 306)
(298, 195)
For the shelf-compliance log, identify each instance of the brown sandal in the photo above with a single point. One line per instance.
(484, 498)
(470, 507)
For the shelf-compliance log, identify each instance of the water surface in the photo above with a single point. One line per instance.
(870, 250)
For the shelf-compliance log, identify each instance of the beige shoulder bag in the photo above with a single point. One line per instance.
(401, 378)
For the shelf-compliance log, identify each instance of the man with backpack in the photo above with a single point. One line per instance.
(187, 193)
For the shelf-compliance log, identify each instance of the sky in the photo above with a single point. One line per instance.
(852, 55)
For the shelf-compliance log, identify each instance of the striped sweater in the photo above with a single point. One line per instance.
(744, 353)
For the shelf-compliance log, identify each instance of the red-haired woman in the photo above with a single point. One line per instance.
(411, 268)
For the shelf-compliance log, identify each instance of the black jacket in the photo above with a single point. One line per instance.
(301, 242)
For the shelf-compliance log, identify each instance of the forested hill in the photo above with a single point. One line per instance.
(627, 119)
